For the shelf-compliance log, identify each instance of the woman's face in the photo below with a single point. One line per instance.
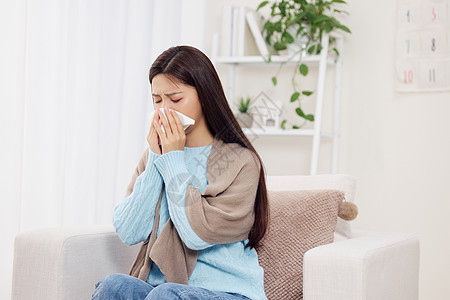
(171, 93)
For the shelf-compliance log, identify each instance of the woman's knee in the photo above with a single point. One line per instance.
(120, 286)
(167, 291)
(111, 282)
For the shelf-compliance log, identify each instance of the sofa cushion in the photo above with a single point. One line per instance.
(342, 182)
(299, 221)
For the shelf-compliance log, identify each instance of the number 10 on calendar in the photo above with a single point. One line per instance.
(408, 76)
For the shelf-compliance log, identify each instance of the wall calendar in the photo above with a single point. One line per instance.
(423, 45)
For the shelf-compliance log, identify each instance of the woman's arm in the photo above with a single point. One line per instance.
(134, 216)
(224, 212)
(177, 178)
(215, 216)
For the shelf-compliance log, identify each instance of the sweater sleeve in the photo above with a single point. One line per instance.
(177, 178)
(134, 216)
(224, 212)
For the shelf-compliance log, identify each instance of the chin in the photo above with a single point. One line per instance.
(188, 130)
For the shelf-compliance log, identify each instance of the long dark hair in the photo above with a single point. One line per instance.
(192, 67)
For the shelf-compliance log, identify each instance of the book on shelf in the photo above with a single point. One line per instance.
(235, 32)
(236, 38)
(226, 30)
(256, 22)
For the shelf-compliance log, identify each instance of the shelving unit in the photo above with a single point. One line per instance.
(281, 132)
(259, 59)
(322, 61)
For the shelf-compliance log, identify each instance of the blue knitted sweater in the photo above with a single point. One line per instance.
(220, 267)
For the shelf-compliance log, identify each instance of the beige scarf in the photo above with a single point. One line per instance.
(222, 214)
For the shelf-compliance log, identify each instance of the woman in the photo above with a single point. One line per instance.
(198, 197)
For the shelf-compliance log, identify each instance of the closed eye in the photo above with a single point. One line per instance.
(173, 100)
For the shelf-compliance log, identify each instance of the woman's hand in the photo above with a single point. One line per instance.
(152, 137)
(174, 138)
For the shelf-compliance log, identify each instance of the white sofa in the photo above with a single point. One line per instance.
(65, 263)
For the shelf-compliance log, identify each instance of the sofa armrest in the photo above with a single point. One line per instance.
(66, 263)
(369, 266)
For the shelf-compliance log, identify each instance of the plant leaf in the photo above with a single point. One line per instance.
(274, 80)
(309, 117)
(282, 7)
(336, 50)
(279, 46)
(303, 69)
(344, 28)
(262, 4)
(319, 48)
(295, 96)
(288, 37)
(283, 124)
(321, 18)
(272, 9)
(307, 93)
(300, 112)
(310, 8)
(295, 127)
(277, 26)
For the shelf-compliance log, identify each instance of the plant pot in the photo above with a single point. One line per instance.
(299, 41)
(245, 120)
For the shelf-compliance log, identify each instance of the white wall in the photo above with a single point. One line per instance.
(397, 145)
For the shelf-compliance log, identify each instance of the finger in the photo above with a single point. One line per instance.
(179, 124)
(159, 131)
(171, 121)
(151, 129)
(155, 116)
(155, 121)
(154, 141)
(165, 123)
(152, 132)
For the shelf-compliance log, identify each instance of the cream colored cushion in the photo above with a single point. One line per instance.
(299, 221)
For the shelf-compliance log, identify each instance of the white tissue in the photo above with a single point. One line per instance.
(185, 120)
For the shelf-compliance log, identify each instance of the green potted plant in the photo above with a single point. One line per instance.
(244, 117)
(298, 26)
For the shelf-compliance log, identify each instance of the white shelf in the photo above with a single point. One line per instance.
(257, 59)
(282, 132)
(322, 62)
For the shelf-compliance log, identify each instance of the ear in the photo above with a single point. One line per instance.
(348, 211)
